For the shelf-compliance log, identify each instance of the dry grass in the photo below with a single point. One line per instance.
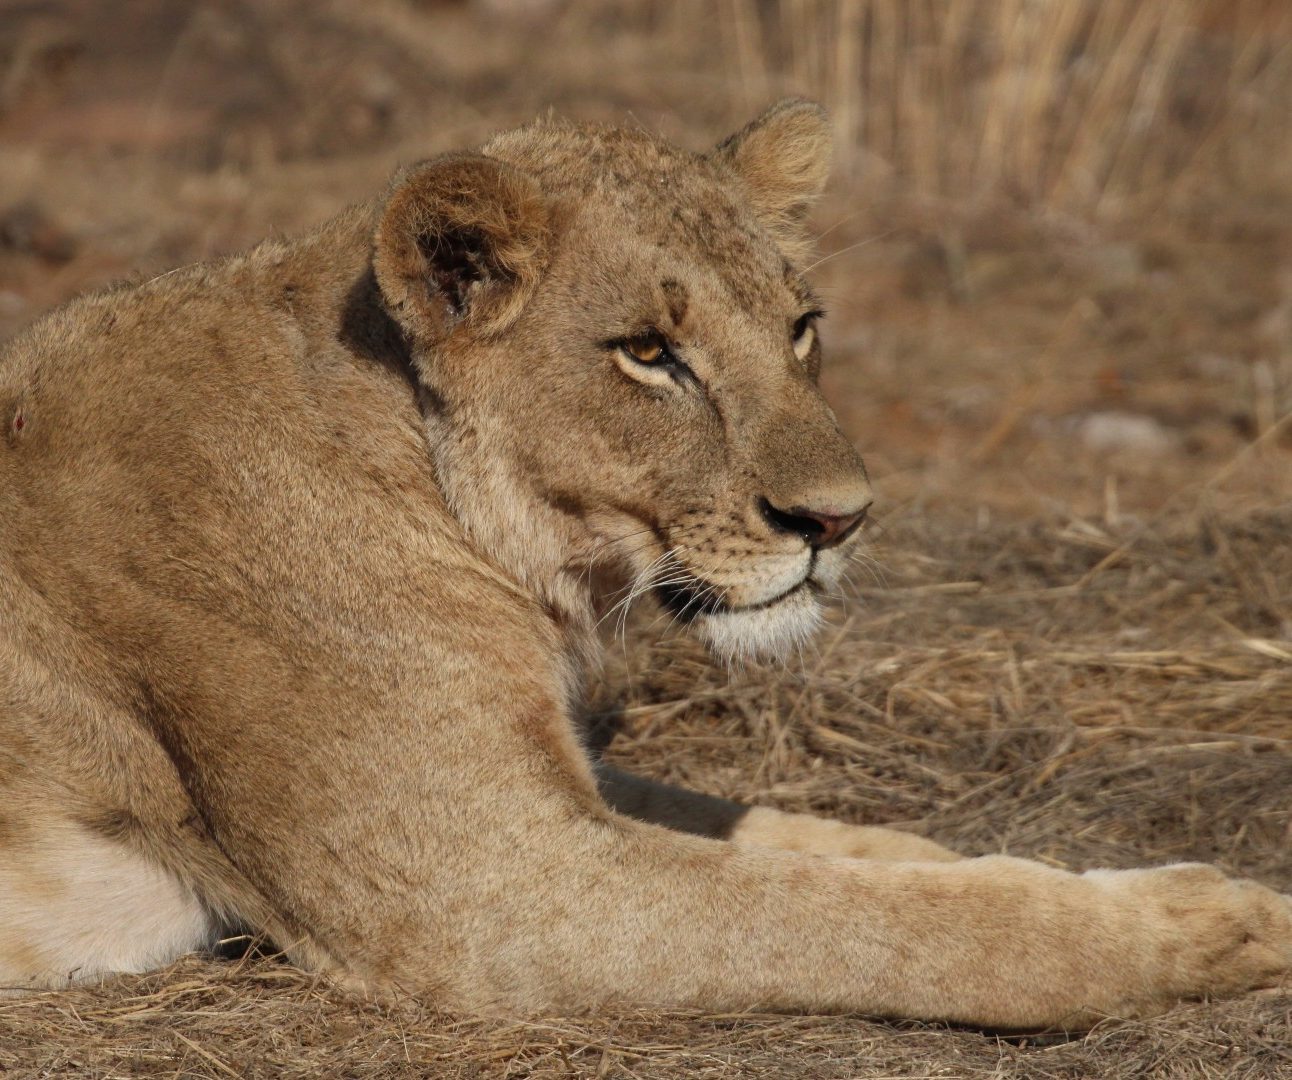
(1060, 281)
(1079, 106)
(263, 1020)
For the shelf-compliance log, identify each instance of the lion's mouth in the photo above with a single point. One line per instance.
(692, 597)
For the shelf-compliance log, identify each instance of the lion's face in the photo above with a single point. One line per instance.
(652, 400)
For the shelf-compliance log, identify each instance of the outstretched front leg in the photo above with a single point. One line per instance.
(759, 826)
(593, 908)
(462, 850)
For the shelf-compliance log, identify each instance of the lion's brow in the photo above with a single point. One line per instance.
(803, 292)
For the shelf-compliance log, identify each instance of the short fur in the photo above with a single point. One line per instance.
(295, 564)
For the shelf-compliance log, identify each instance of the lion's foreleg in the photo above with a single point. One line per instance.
(758, 826)
(613, 910)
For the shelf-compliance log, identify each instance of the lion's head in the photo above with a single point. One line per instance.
(620, 356)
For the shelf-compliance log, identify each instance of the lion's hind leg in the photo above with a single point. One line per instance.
(75, 906)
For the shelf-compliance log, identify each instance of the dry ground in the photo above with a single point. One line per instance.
(1074, 641)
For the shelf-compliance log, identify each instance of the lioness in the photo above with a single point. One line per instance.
(294, 609)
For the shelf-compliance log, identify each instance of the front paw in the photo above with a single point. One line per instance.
(1201, 934)
(765, 827)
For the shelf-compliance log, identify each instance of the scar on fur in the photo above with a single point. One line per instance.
(19, 421)
(675, 295)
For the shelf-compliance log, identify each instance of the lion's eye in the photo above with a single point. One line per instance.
(648, 357)
(803, 335)
(646, 349)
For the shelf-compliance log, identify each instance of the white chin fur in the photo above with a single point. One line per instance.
(766, 634)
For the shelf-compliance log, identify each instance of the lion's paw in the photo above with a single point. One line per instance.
(765, 827)
(1201, 933)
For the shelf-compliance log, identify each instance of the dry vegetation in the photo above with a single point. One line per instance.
(1059, 267)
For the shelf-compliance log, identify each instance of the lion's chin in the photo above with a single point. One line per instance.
(769, 633)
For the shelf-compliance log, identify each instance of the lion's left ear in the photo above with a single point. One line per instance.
(782, 161)
(462, 241)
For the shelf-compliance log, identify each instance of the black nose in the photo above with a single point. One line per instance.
(820, 528)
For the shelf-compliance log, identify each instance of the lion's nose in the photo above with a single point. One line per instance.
(820, 528)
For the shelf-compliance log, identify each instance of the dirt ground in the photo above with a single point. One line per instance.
(1073, 638)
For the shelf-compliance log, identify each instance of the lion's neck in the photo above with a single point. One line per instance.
(532, 543)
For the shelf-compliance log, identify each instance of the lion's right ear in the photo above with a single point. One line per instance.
(462, 241)
(781, 161)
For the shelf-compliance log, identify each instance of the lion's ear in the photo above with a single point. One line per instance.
(782, 161)
(462, 241)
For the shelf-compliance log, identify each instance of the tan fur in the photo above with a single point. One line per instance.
(765, 827)
(295, 602)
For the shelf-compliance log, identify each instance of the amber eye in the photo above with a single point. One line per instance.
(646, 348)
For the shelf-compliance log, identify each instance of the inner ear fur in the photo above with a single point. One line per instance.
(781, 161)
(462, 241)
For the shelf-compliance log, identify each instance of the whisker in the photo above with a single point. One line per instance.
(842, 221)
(851, 247)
